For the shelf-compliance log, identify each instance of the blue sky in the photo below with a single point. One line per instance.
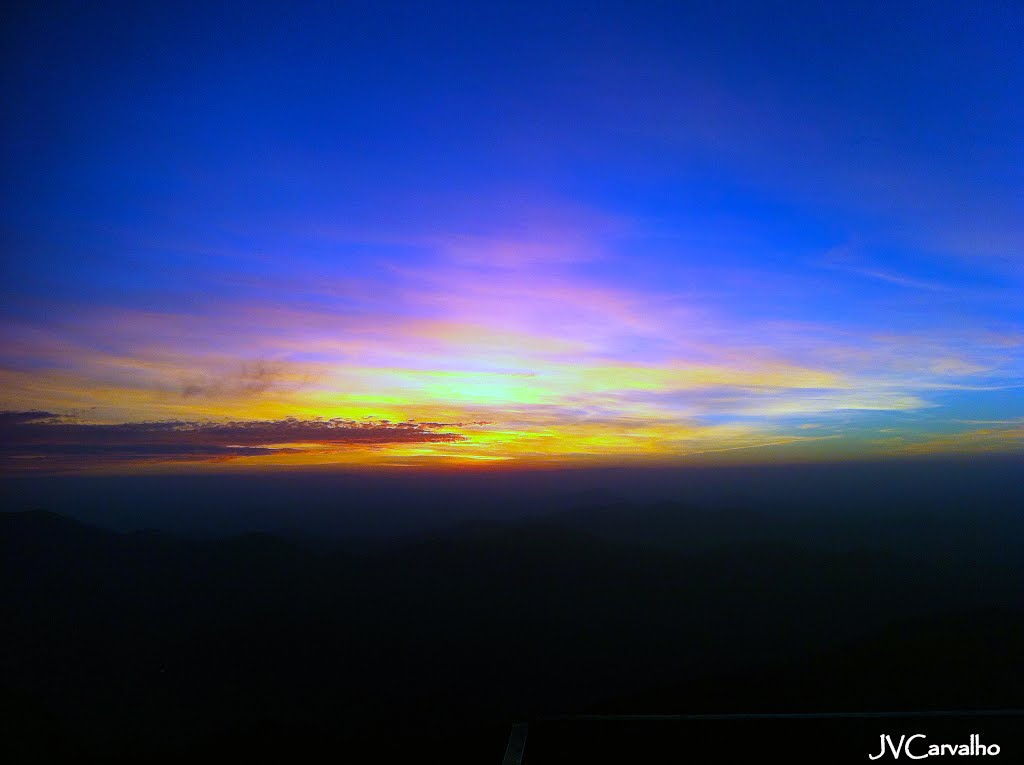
(611, 232)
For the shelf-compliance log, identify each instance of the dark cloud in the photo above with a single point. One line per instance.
(18, 418)
(42, 435)
(250, 379)
(128, 451)
(452, 424)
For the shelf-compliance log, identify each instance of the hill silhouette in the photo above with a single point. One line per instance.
(147, 645)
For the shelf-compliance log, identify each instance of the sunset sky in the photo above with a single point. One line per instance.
(500, 234)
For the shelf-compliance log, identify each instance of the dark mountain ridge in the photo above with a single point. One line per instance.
(132, 645)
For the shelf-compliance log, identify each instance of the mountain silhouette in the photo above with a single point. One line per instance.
(121, 646)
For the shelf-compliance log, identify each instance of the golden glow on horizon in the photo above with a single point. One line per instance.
(529, 372)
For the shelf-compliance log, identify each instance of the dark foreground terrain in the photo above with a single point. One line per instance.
(152, 647)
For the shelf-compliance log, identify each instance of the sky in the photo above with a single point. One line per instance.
(489, 235)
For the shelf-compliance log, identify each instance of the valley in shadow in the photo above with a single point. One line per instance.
(152, 645)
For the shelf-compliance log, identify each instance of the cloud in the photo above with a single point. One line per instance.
(508, 345)
(21, 418)
(990, 440)
(35, 435)
(842, 259)
(250, 379)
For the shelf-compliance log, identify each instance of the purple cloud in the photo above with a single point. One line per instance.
(43, 435)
